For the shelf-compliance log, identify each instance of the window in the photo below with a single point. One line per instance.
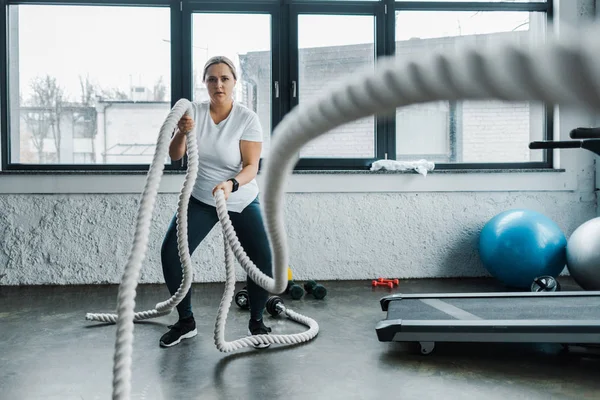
(467, 131)
(90, 79)
(248, 45)
(330, 47)
(88, 86)
(476, 1)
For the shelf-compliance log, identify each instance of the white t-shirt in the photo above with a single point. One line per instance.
(219, 153)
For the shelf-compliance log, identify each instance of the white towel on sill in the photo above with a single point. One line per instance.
(421, 166)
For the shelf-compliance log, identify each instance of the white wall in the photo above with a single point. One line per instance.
(67, 239)
(70, 229)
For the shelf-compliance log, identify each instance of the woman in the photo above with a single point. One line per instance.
(229, 146)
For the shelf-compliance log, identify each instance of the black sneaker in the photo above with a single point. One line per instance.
(183, 329)
(258, 328)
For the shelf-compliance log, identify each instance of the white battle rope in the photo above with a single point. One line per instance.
(127, 290)
(126, 316)
(233, 246)
(140, 241)
(561, 71)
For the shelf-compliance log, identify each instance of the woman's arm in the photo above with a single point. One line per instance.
(178, 146)
(250, 159)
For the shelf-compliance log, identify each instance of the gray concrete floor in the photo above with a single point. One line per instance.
(49, 351)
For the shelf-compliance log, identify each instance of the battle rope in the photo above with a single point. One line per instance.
(278, 285)
(127, 289)
(140, 241)
(561, 71)
(126, 316)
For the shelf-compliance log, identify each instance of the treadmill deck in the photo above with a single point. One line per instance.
(547, 317)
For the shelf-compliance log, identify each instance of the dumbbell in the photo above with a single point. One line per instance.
(545, 284)
(242, 299)
(294, 290)
(378, 283)
(318, 291)
(394, 281)
(275, 306)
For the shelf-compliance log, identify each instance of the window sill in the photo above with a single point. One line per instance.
(297, 172)
(434, 172)
(304, 181)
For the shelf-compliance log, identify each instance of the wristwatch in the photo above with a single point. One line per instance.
(236, 184)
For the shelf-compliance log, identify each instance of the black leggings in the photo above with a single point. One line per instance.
(202, 218)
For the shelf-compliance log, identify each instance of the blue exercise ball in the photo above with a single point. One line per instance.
(517, 246)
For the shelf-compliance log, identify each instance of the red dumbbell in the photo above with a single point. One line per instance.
(377, 283)
(394, 281)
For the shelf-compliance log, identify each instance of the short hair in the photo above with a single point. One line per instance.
(219, 60)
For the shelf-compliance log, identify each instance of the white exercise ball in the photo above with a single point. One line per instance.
(583, 255)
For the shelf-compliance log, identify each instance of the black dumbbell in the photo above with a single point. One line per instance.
(545, 284)
(242, 299)
(294, 290)
(318, 291)
(275, 306)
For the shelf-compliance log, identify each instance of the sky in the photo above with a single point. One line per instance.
(122, 46)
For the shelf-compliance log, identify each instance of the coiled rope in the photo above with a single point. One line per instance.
(561, 71)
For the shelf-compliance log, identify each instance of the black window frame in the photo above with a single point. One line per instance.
(539, 6)
(176, 78)
(284, 68)
(370, 8)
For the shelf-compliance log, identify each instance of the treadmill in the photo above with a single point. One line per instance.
(567, 318)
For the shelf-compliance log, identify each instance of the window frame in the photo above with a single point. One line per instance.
(284, 68)
(371, 8)
(225, 7)
(5, 139)
(539, 6)
(4, 143)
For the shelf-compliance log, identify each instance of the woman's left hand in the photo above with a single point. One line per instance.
(226, 186)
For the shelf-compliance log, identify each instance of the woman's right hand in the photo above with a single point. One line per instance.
(185, 124)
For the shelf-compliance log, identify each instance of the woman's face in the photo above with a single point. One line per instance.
(220, 82)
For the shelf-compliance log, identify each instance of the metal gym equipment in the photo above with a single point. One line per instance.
(567, 318)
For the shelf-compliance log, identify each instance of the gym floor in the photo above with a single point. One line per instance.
(49, 351)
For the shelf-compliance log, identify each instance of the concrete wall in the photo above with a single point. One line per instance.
(69, 230)
(86, 239)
